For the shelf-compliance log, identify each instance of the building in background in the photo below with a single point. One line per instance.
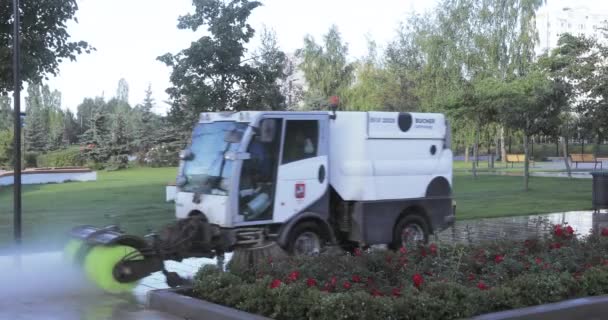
(559, 17)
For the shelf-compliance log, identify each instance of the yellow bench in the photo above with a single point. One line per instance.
(585, 158)
(516, 158)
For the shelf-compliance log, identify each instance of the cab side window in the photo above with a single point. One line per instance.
(301, 140)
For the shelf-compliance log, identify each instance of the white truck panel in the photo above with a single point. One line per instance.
(214, 207)
(371, 158)
(300, 174)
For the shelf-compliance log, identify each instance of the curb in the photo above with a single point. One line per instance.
(176, 302)
(589, 308)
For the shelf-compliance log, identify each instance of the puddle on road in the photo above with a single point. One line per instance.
(524, 227)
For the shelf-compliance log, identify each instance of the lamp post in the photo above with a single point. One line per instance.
(17, 126)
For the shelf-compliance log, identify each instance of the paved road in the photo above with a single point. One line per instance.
(42, 287)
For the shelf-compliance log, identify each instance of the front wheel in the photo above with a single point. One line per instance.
(410, 229)
(305, 239)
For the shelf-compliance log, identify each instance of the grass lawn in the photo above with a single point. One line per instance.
(135, 199)
(497, 196)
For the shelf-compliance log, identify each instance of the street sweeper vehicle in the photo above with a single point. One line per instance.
(264, 183)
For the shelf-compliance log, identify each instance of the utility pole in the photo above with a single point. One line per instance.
(17, 125)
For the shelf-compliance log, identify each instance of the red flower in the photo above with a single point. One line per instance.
(357, 252)
(499, 258)
(333, 281)
(555, 245)
(294, 275)
(356, 278)
(418, 280)
(275, 283)
(269, 260)
(558, 231)
(604, 232)
(546, 266)
(482, 286)
(396, 292)
(403, 250)
(310, 282)
(433, 248)
(376, 293)
(423, 252)
(428, 273)
(538, 260)
(605, 262)
(346, 285)
(389, 259)
(370, 280)
(569, 230)
(471, 277)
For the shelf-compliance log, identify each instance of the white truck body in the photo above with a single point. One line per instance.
(381, 165)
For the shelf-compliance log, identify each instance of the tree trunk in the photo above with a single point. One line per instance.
(503, 149)
(598, 141)
(532, 147)
(476, 151)
(526, 163)
(583, 146)
(566, 162)
(466, 153)
(557, 146)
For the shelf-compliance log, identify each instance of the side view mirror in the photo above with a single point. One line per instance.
(233, 155)
(267, 130)
(181, 181)
(186, 155)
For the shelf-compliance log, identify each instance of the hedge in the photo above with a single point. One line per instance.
(417, 282)
(70, 157)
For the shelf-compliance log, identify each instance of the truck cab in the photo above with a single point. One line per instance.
(304, 179)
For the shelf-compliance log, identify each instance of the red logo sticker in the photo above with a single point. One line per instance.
(300, 190)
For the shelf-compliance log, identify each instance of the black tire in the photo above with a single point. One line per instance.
(304, 229)
(410, 221)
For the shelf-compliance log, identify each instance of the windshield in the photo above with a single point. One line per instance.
(207, 171)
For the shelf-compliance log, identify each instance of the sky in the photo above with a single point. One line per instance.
(130, 34)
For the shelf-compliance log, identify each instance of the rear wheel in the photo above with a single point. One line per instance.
(410, 229)
(306, 239)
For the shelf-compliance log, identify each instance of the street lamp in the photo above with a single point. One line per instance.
(17, 126)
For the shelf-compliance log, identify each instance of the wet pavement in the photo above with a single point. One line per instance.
(41, 286)
(523, 227)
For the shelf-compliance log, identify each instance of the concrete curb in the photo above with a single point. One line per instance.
(177, 303)
(589, 308)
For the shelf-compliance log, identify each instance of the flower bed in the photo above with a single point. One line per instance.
(423, 282)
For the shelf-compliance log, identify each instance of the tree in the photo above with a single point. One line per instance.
(146, 123)
(86, 112)
(325, 68)
(97, 140)
(70, 129)
(37, 128)
(208, 75)
(533, 104)
(262, 89)
(45, 40)
(122, 93)
(6, 148)
(6, 113)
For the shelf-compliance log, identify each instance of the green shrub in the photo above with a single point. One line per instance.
(70, 157)
(30, 159)
(423, 282)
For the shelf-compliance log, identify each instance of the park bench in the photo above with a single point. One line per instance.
(516, 158)
(585, 158)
